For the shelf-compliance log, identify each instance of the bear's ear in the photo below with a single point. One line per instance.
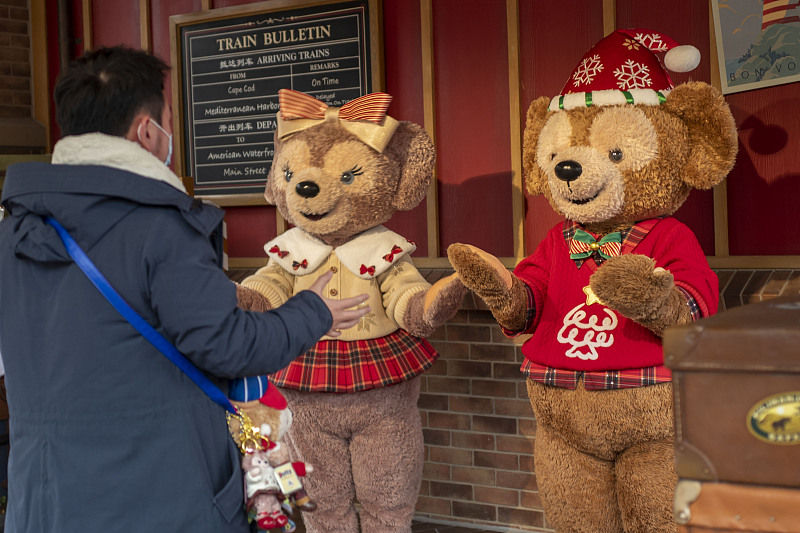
(413, 150)
(712, 141)
(536, 181)
(272, 174)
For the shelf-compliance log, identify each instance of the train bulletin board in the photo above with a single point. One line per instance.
(229, 65)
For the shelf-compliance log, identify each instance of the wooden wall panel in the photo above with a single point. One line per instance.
(472, 124)
(249, 228)
(160, 11)
(53, 64)
(763, 191)
(552, 42)
(216, 4)
(472, 100)
(115, 22)
(688, 23)
(403, 72)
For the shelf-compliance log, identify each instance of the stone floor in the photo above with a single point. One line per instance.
(427, 527)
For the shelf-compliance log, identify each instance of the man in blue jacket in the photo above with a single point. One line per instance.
(106, 433)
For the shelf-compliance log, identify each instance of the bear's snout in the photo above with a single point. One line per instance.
(307, 189)
(568, 170)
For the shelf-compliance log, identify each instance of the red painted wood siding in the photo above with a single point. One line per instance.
(472, 119)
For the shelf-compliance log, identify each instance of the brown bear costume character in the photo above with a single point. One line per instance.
(337, 175)
(616, 153)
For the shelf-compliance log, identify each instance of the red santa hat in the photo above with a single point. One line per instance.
(624, 68)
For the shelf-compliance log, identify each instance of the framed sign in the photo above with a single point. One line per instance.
(228, 65)
(757, 43)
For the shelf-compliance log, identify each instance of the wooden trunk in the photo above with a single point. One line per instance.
(736, 379)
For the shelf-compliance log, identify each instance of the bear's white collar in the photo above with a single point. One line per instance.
(367, 255)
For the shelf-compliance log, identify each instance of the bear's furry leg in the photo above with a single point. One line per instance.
(577, 489)
(370, 439)
(390, 456)
(315, 438)
(646, 481)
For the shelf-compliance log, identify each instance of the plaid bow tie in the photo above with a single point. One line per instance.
(583, 245)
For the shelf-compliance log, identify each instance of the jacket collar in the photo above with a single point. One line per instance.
(114, 152)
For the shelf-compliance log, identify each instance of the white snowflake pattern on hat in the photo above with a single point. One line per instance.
(587, 70)
(652, 41)
(631, 44)
(632, 75)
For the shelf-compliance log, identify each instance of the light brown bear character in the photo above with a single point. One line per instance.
(616, 153)
(337, 175)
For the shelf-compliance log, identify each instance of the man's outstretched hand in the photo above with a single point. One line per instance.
(344, 316)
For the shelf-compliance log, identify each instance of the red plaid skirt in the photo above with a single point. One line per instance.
(351, 366)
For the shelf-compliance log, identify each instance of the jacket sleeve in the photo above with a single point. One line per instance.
(195, 307)
(398, 284)
(273, 282)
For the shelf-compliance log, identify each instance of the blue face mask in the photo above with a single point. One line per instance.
(168, 160)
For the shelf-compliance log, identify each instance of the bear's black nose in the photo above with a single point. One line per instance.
(307, 189)
(568, 170)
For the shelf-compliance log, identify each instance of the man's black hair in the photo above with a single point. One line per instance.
(103, 90)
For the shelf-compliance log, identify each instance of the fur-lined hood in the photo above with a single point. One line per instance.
(114, 152)
(98, 181)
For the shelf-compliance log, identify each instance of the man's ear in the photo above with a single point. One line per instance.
(535, 180)
(713, 141)
(413, 150)
(138, 131)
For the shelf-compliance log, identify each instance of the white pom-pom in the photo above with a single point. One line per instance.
(682, 58)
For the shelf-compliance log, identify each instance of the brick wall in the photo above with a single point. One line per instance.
(15, 67)
(479, 427)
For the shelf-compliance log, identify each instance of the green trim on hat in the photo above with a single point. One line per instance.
(628, 97)
(568, 101)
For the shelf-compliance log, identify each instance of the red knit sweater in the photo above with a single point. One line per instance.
(570, 333)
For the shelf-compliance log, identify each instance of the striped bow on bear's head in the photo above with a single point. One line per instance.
(365, 117)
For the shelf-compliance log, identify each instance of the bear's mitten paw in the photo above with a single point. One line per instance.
(442, 300)
(486, 276)
(481, 272)
(634, 286)
(251, 300)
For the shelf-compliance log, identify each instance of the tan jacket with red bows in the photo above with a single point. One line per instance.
(375, 262)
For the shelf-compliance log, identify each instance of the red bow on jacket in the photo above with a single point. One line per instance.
(276, 250)
(296, 265)
(368, 270)
(390, 256)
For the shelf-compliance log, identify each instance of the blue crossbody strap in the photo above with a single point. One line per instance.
(141, 325)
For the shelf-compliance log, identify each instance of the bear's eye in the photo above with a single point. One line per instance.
(615, 155)
(287, 172)
(350, 175)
